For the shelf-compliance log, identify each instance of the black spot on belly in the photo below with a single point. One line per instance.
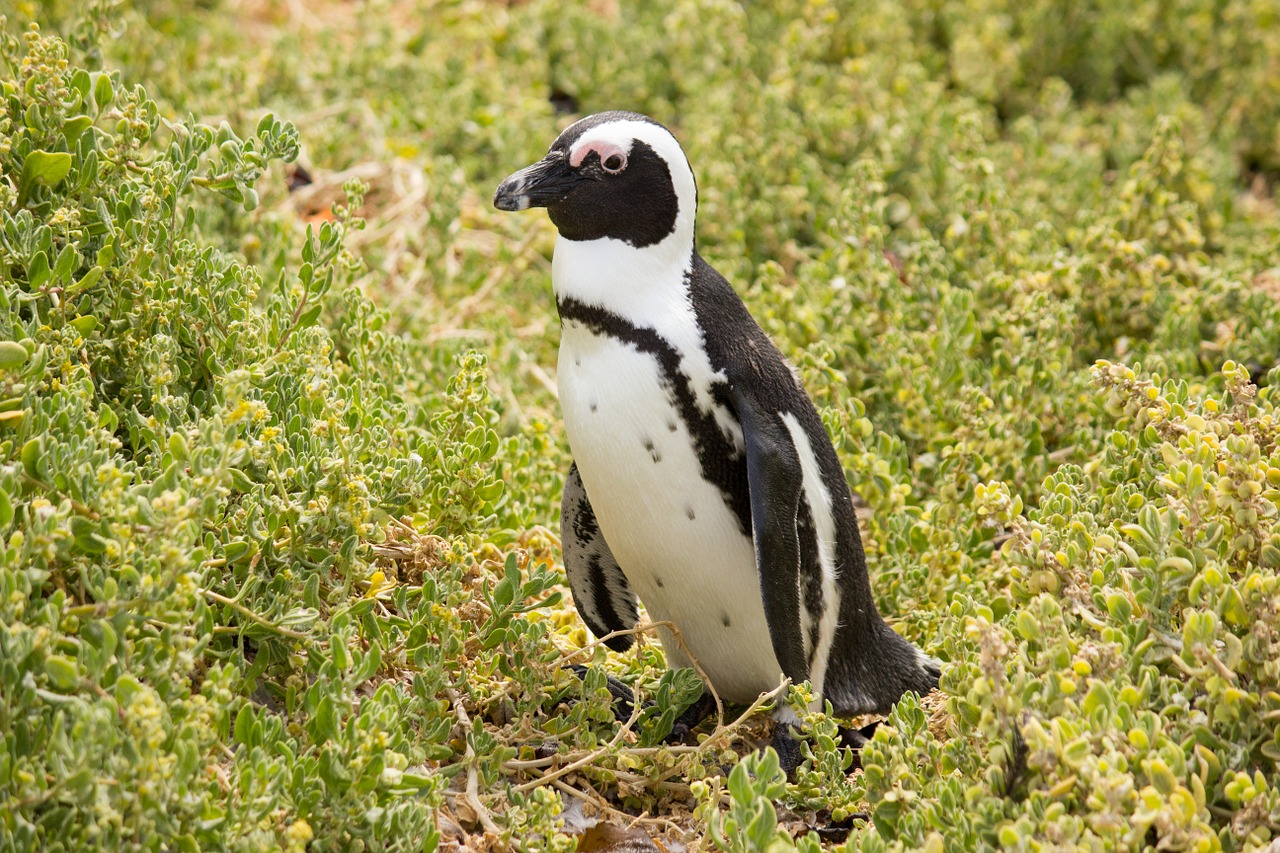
(649, 446)
(658, 581)
(577, 361)
(594, 405)
(724, 619)
(671, 426)
(689, 512)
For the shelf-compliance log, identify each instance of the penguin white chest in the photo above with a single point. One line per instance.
(669, 528)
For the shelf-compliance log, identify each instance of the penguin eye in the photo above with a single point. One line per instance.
(614, 163)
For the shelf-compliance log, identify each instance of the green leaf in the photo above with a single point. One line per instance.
(84, 325)
(106, 255)
(369, 664)
(414, 782)
(74, 128)
(31, 453)
(504, 593)
(108, 419)
(12, 355)
(38, 272)
(62, 672)
(241, 481)
(126, 688)
(335, 776)
(81, 82)
(299, 618)
(48, 169)
(310, 316)
(66, 263)
(740, 783)
(103, 91)
(87, 535)
(324, 723)
(178, 447)
(243, 728)
(6, 508)
(496, 634)
(491, 491)
(233, 552)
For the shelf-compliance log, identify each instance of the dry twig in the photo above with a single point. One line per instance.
(472, 792)
(590, 757)
(646, 627)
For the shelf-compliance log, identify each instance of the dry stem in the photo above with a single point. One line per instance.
(645, 628)
(471, 794)
(591, 756)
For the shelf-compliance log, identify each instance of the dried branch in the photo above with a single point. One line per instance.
(471, 794)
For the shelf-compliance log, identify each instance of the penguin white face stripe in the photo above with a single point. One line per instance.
(620, 135)
(613, 157)
(819, 501)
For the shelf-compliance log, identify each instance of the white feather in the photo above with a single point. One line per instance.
(824, 524)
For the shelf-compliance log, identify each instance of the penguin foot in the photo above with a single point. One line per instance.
(834, 831)
(623, 706)
(620, 691)
(787, 745)
(855, 739)
(691, 718)
(786, 742)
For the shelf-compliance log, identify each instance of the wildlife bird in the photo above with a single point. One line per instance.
(703, 482)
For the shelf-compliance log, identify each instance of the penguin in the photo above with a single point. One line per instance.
(703, 483)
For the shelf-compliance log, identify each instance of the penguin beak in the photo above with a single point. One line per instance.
(546, 182)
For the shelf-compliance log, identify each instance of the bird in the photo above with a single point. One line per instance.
(703, 482)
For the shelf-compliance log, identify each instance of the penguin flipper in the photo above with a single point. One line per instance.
(600, 590)
(774, 478)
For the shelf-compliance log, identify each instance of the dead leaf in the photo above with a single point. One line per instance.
(611, 838)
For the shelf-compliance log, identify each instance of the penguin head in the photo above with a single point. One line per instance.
(615, 175)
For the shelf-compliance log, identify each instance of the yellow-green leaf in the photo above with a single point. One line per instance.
(12, 355)
(62, 672)
(45, 168)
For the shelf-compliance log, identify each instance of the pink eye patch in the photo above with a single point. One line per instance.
(608, 152)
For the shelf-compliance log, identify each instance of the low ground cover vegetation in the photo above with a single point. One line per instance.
(280, 460)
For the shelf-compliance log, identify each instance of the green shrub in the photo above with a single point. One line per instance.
(198, 453)
(1130, 697)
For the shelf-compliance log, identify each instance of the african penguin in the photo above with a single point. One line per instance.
(703, 482)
